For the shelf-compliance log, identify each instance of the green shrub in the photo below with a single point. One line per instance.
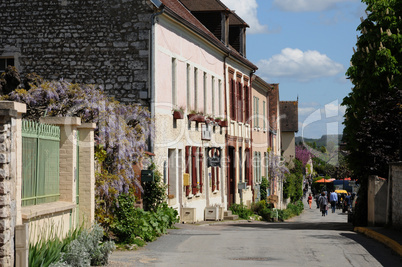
(291, 210)
(132, 223)
(263, 188)
(49, 246)
(80, 247)
(155, 191)
(87, 250)
(241, 210)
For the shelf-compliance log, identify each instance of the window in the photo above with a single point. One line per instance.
(174, 81)
(263, 113)
(205, 92)
(257, 167)
(220, 97)
(195, 89)
(188, 85)
(213, 94)
(256, 115)
(5, 62)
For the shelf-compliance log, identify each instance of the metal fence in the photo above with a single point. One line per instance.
(40, 163)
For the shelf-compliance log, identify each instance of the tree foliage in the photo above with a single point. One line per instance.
(373, 108)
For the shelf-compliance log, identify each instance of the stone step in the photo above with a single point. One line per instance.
(231, 217)
(227, 213)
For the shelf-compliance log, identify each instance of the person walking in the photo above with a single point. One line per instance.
(333, 198)
(323, 202)
(309, 200)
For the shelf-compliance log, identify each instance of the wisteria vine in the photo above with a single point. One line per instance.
(122, 129)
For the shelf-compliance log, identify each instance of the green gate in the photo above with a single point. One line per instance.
(40, 163)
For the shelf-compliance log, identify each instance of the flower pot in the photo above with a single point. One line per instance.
(200, 118)
(178, 115)
(223, 123)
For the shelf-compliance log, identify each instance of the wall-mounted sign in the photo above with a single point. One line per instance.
(206, 132)
(241, 185)
(186, 179)
(147, 176)
(214, 156)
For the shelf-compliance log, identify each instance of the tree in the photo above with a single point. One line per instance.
(373, 108)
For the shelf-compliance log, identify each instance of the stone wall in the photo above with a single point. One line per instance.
(395, 191)
(377, 201)
(10, 145)
(87, 41)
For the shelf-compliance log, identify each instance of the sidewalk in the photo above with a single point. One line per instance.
(389, 237)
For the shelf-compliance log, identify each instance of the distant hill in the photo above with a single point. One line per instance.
(334, 139)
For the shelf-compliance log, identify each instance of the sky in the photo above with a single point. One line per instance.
(306, 47)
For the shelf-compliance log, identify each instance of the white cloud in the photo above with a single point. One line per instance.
(298, 65)
(247, 10)
(308, 5)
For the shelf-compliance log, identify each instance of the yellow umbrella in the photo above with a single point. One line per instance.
(340, 191)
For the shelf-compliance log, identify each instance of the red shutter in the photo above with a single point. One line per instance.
(213, 173)
(194, 169)
(246, 105)
(240, 101)
(217, 178)
(201, 164)
(233, 98)
(187, 167)
(248, 176)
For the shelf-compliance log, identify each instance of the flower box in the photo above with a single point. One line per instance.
(223, 123)
(178, 115)
(196, 117)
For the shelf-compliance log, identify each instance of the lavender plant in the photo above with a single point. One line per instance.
(121, 134)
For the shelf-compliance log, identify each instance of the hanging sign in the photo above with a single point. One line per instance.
(214, 159)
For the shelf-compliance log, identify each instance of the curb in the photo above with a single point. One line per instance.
(392, 244)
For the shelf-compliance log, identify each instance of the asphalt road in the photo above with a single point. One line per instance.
(306, 240)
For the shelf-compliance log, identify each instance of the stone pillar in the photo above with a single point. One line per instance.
(68, 154)
(87, 173)
(395, 193)
(10, 177)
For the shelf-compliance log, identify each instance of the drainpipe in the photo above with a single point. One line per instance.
(226, 141)
(152, 68)
(251, 135)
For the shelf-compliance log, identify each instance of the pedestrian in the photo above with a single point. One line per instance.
(333, 198)
(316, 200)
(348, 201)
(309, 200)
(323, 202)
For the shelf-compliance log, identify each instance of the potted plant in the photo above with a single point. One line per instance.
(224, 123)
(196, 116)
(178, 113)
(191, 116)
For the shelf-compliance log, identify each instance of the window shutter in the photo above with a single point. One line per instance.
(194, 169)
(201, 164)
(233, 98)
(217, 177)
(213, 173)
(187, 167)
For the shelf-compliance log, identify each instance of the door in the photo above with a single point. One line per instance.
(231, 176)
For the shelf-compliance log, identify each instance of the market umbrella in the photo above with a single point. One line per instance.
(323, 180)
(341, 191)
